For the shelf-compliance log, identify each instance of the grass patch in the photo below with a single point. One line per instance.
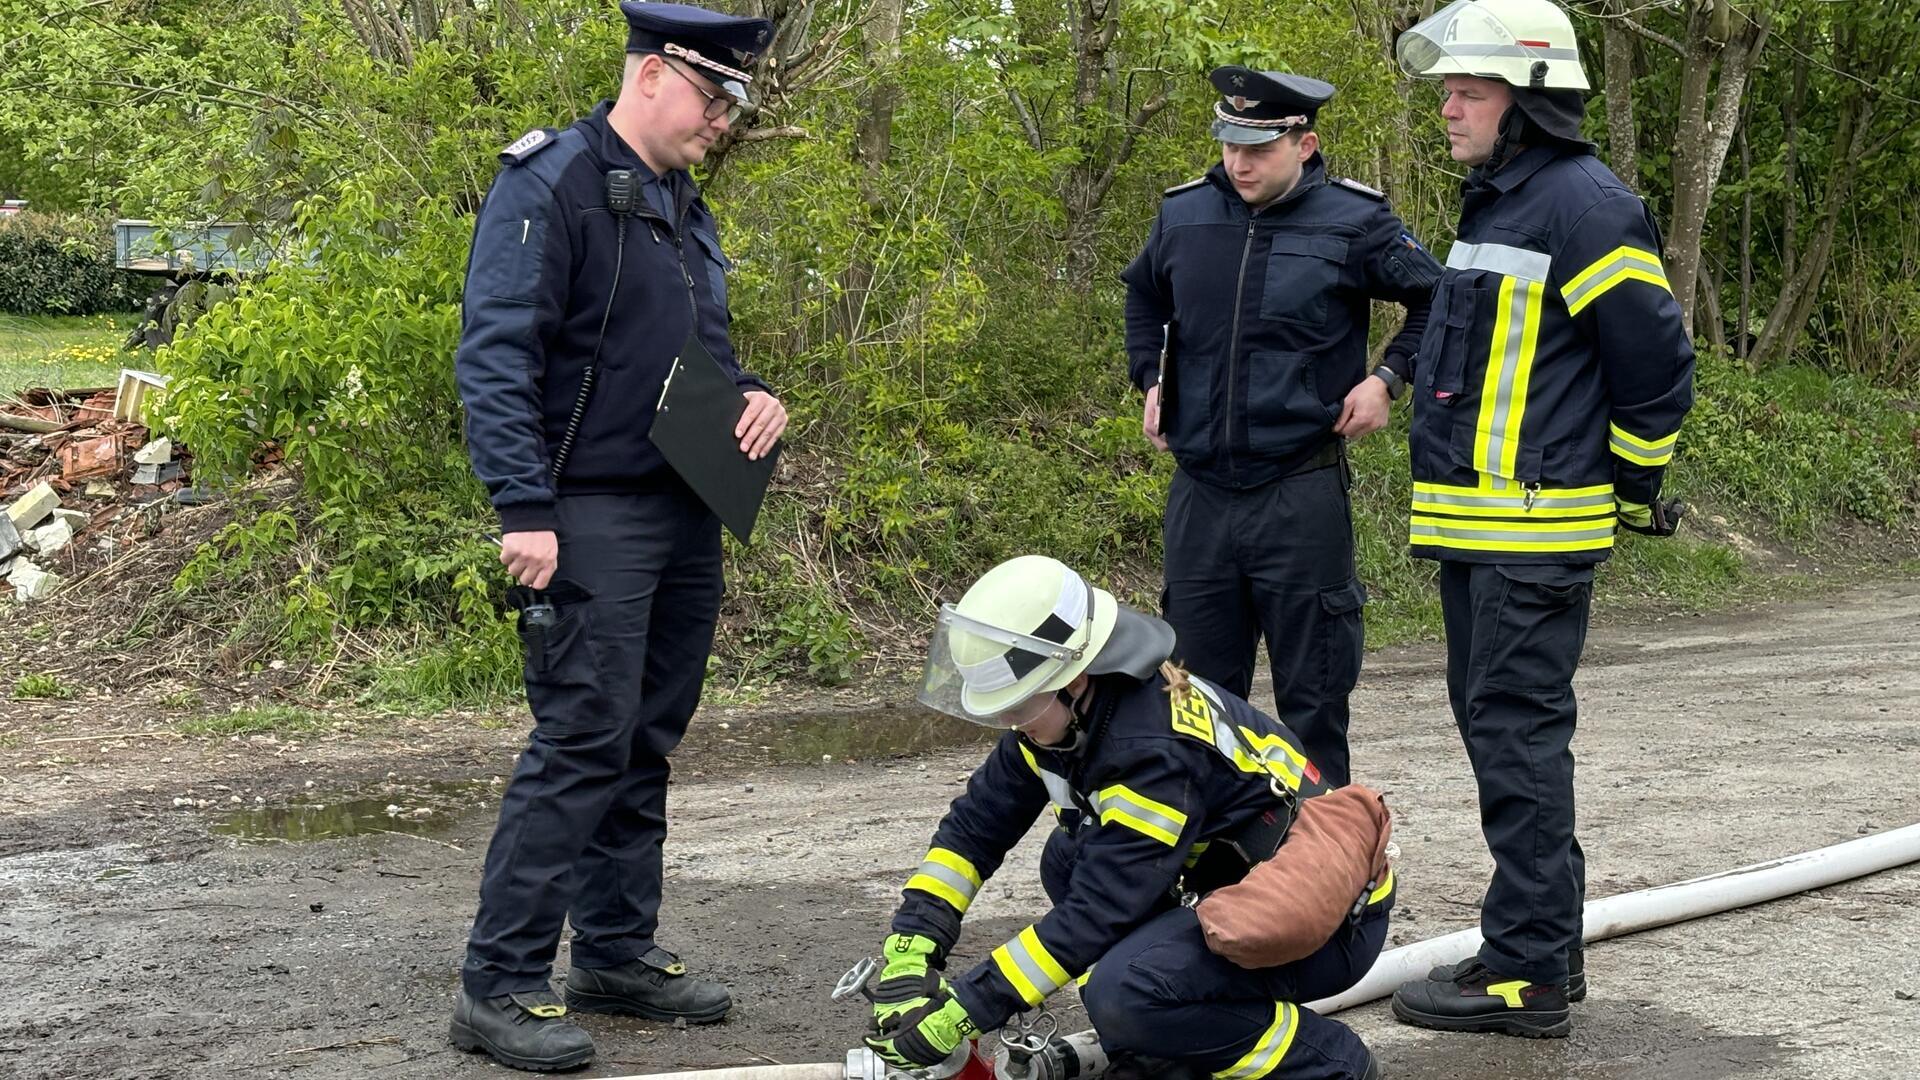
(10, 742)
(42, 686)
(260, 720)
(464, 670)
(61, 350)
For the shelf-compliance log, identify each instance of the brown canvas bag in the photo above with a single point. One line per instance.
(1289, 905)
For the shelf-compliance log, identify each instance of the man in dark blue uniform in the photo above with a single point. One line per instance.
(594, 260)
(1247, 318)
(1549, 393)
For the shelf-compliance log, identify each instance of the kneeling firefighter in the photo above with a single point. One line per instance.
(1165, 788)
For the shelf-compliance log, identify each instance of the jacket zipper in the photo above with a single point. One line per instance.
(1233, 342)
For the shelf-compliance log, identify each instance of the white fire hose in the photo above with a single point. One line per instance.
(1611, 917)
(1661, 905)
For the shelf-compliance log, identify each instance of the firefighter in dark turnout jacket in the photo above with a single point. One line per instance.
(1157, 789)
(594, 258)
(1548, 395)
(1247, 316)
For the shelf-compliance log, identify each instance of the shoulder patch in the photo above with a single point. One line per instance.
(1188, 186)
(1354, 185)
(524, 147)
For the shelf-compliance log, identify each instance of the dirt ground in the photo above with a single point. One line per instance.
(308, 919)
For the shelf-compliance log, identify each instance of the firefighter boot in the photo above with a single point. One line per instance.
(656, 987)
(1473, 997)
(1576, 973)
(527, 1030)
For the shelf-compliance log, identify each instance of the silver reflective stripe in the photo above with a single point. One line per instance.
(1058, 790)
(1109, 799)
(1602, 277)
(1023, 958)
(1500, 409)
(1227, 739)
(951, 878)
(1520, 535)
(1603, 499)
(1273, 1045)
(1501, 259)
(1538, 52)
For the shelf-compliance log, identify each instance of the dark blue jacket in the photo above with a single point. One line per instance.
(1145, 794)
(1556, 373)
(1269, 314)
(538, 284)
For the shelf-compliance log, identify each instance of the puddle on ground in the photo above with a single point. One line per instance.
(414, 809)
(870, 733)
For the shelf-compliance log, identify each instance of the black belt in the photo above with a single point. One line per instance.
(1331, 453)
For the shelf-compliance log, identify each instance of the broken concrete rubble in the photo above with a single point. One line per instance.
(157, 452)
(9, 538)
(48, 539)
(30, 582)
(77, 520)
(33, 507)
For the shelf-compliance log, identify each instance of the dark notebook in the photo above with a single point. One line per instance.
(693, 427)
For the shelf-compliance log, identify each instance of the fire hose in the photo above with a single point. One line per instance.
(1029, 1048)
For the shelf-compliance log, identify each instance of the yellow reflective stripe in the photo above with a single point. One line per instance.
(1623, 263)
(949, 876)
(1128, 807)
(1503, 392)
(1519, 536)
(1057, 787)
(1029, 968)
(1197, 850)
(1270, 1049)
(1084, 976)
(1290, 767)
(1385, 890)
(1508, 992)
(1638, 450)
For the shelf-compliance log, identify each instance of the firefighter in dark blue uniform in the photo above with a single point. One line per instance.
(594, 258)
(1548, 396)
(1160, 785)
(1247, 318)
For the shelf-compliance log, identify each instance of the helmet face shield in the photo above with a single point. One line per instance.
(991, 675)
(1518, 42)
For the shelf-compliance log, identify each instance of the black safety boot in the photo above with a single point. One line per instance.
(1473, 997)
(1576, 973)
(1373, 1068)
(656, 987)
(527, 1031)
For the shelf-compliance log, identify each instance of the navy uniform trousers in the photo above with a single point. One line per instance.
(611, 688)
(1162, 993)
(1274, 560)
(1514, 635)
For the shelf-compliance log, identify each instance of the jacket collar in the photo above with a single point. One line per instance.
(1313, 173)
(1515, 172)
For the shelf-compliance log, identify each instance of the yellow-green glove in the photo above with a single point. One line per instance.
(925, 1035)
(908, 981)
(1655, 519)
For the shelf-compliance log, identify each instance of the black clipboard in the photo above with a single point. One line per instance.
(693, 426)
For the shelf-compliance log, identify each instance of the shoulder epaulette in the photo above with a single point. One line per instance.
(1188, 186)
(1354, 185)
(519, 150)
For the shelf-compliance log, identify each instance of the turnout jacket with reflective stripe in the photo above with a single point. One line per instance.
(1554, 374)
(1144, 801)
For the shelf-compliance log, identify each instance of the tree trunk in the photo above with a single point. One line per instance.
(1623, 140)
(1704, 135)
(1801, 288)
(872, 147)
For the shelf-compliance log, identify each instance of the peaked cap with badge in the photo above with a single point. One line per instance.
(723, 47)
(1260, 106)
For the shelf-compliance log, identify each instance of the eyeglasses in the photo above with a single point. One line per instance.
(718, 105)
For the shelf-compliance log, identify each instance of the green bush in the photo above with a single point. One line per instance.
(58, 264)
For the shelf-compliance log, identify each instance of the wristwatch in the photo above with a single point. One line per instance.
(1396, 386)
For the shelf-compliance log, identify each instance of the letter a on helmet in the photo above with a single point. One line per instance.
(1526, 43)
